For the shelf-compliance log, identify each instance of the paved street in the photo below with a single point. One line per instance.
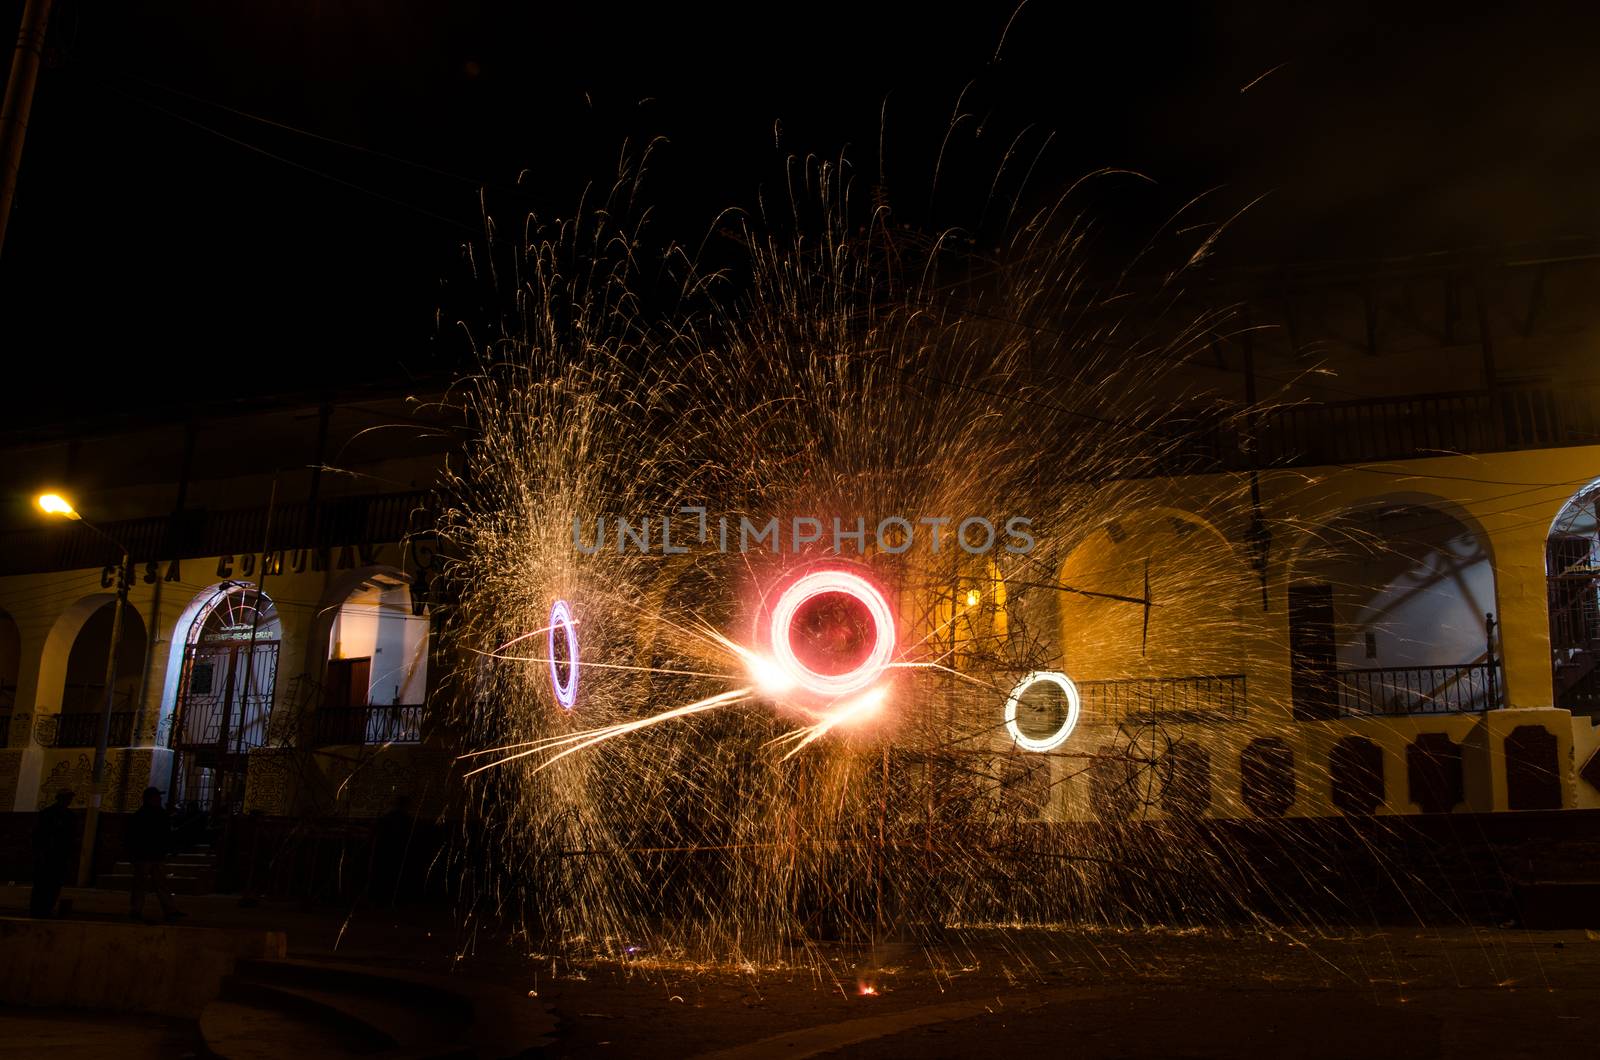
(1089, 994)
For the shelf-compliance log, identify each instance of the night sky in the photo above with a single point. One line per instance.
(223, 200)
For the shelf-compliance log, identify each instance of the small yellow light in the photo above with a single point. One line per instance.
(973, 596)
(55, 504)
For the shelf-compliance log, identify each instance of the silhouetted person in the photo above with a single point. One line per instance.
(149, 836)
(53, 834)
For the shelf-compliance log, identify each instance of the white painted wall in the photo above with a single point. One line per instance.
(377, 623)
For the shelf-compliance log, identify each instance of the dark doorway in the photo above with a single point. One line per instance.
(346, 683)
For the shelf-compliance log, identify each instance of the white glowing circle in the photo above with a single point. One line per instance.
(1057, 738)
(566, 691)
(809, 588)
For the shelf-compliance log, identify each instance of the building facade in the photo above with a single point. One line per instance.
(1370, 588)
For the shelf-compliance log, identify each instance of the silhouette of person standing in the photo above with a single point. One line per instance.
(149, 836)
(53, 834)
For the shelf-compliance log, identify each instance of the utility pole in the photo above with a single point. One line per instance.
(55, 504)
(91, 819)
(19, 101)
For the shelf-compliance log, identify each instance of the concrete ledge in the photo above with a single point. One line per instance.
(125, 967)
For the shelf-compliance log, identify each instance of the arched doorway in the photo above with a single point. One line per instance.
(1572, 569)
(1154, 612)
(375, 683)
(1390, 614)
(83, 694)
(229, 675)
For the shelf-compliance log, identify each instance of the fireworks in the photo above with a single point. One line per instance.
(1056, 737)
(780, 746)
(807, 590)
(565, 689)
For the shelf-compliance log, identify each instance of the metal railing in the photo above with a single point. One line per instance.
(380, 724)
(1523, 416)
(1396, 690)
(82, 729)
(1219, 697)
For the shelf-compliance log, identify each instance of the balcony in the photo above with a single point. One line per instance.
(1407, 427)
(1400, 428)
(1175, 699)
(386, 724)
(1404, 690)
(82, 729)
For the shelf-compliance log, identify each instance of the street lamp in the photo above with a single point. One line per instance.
(55, 504)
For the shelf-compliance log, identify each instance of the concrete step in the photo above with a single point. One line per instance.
(176, 884)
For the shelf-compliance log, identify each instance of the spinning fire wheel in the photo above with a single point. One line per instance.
(1144, 750)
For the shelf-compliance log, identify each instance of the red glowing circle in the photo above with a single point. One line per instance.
(808, 589)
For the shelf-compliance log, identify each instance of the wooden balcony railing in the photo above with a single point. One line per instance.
(1219, 697)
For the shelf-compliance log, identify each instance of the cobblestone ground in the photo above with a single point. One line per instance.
(1086, 994)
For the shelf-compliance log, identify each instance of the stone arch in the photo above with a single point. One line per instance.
(1201, 590)
(1572, 578)
(221, 686)
(1317, 521)
(56, 657)
(1388, 606)
(176, 645)
(365, 613)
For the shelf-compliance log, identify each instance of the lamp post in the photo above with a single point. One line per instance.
(19, 100)
(55, 504)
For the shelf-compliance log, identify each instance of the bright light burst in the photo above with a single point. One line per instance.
(1059, 735)
(781, 633)
(566, 691)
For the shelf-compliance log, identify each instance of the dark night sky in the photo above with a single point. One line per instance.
(196, 254)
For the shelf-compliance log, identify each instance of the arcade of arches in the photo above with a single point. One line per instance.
(212, 679)
(1369, 620)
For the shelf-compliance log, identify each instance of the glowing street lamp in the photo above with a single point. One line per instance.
(55, 504)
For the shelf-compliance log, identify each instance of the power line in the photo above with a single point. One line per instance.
(351, 185)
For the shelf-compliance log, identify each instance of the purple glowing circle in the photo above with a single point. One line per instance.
(561, 617)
